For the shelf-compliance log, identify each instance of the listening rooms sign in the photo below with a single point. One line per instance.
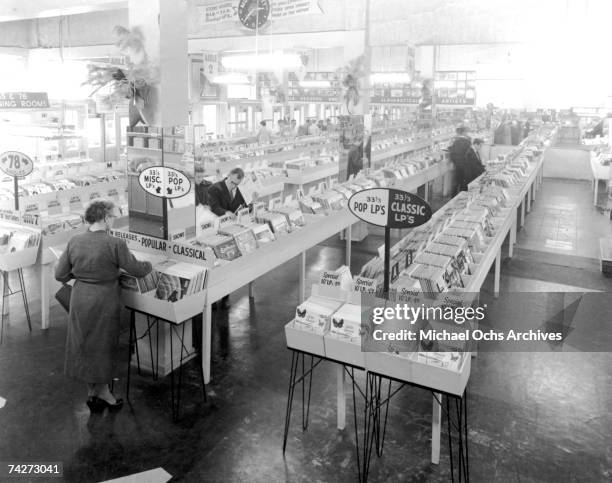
(23, 100)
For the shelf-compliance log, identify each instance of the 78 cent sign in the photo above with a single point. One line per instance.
(16, 164)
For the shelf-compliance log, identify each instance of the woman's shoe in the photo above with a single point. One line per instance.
(95, 404)
(111, 407)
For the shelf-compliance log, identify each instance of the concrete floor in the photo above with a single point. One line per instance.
(533, 417)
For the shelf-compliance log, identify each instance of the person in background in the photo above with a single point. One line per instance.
(293, 130)
(281, 128)
(355, 159)
(225, 197)
(473, 162)
(303, 129)
(330, 127)
(321, 126)
(201, 186)
(264, 135)
(313, 129)
(457, 153)
(95, 260)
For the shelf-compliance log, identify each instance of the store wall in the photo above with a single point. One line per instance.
(15, 34)
(76, 30)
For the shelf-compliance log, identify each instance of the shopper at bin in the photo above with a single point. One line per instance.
(94, 259)
(264, 135)
(473, 162)
(313, 129)
(224, 196)
(457, 153)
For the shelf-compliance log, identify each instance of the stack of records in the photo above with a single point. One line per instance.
(243, 235)
(263, 233)
(457, 255)
(308, 205)
(346, 322)
(343, 191)
(178, 280)
(330, 200)
(18, 239)
(294, 216)
(277, 222)
(52, 225)
(225, 247)
(451, 276)
(315, 314)
(431, 278)
(141, 285)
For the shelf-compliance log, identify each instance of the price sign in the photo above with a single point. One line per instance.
(16, 164)
(164, 182)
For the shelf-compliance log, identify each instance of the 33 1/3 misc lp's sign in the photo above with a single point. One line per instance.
(164, 182)
(16, 164)
(390, 207)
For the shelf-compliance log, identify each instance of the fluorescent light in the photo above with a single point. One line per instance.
(275, 60)
(315, 83)
(390, 78)
(230, 78)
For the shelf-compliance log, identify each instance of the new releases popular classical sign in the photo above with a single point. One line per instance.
(390, 208)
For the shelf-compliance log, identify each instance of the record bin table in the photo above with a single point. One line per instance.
(523, 196)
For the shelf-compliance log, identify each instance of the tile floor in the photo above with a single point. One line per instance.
(564, 220)
(533, 417)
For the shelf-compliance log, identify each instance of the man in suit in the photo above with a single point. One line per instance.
(457, 152)
(224, 196)
(473, 162)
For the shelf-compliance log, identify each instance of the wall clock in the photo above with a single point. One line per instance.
(254, 14)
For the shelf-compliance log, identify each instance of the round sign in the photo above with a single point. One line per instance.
(164, 182)
(16, 164)
(390, 207)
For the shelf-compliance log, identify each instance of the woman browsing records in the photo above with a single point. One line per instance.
(94, 259)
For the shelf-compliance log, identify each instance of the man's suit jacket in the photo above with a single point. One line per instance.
(220, 199)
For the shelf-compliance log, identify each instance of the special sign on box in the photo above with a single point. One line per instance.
(164, 182)
(390, 208)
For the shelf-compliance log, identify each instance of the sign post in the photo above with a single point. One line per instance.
(17, 165)
(389, 208)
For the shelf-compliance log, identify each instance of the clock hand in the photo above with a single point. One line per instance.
(252, 12)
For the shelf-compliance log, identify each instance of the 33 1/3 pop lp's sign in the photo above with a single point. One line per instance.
(390, 207)
(164, 182)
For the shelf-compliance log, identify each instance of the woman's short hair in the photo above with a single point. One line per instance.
(238, 172)
(478, 141)
(98, 210)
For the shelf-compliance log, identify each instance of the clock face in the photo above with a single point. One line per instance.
(253, 14)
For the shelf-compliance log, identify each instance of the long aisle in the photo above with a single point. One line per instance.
(540, 416)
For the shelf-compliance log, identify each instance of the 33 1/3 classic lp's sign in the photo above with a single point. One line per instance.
(164, 182)
(390, 207)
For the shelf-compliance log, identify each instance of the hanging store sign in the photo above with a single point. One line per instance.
(395, 100)
(248, 12)
(164, 182)
(390, 208)
(455, 101)
(24, 100)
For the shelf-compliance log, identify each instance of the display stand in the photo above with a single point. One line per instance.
(383, 366)
(17, 261)
(176, 329)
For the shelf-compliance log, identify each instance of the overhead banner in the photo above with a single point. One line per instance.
(227, 10)
(24, 100)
